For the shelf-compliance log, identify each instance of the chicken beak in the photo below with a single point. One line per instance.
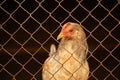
(60, 36)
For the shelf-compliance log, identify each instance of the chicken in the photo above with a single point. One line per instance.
(69, 61)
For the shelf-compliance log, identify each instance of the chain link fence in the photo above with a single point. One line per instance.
(29, 27)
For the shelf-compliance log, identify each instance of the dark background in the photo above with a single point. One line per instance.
(29, 27)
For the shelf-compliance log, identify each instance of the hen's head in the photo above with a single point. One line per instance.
(71, 30)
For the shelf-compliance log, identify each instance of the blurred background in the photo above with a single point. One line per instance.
(29, 27)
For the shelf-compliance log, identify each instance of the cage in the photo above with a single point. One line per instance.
(29, 27)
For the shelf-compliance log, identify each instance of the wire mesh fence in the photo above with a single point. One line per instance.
(29, 27)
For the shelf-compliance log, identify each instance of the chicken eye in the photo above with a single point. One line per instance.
(71, 30)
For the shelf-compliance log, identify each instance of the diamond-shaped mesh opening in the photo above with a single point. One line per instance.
(29, 5)
(32, 44)
(108, 63)
(100, 33)
(40, 14)
(101, 73)
(20, 15)
(3, 16)
(99, 12)
(3, 36)
(38, 76)
(39, 35)
(93, 66)
(69, 4)
(4, 57)
(116, 53)
(47, 3)
(100, 53)
(90, 23)
(92, 78)
(60, 14)
(89, 4)
(115, 12)
(29, 27)
(116, 32)
(23, 75)
(12, 46)
(13, 67)
(33, 66)
(10, 5)
(109, 23)
(22, 56)
(109, 4)
(110, 46)
(116, 72)
(11, 28)
(21, 37)
(5, 75)
(92, 43)
(79, 13)
(50, 25)
(40, 55)
(110, 77)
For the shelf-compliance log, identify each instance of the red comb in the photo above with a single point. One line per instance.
(66, 25)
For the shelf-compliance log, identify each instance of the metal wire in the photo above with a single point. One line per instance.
(29, 27)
